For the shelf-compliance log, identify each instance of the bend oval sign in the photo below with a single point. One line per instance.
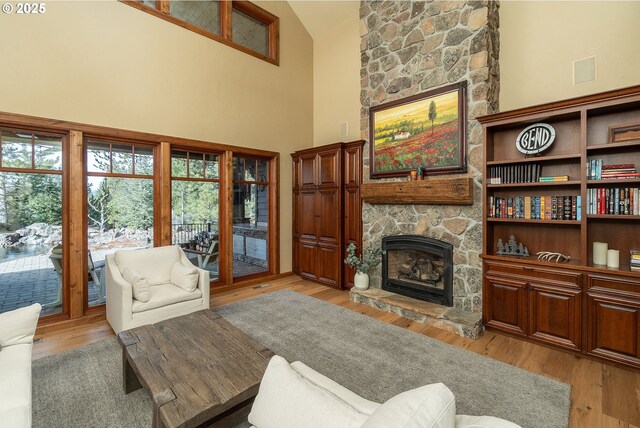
(535, 138)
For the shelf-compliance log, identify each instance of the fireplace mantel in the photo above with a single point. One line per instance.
(431, 191)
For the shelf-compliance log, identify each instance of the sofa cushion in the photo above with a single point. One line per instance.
(15, 378)
(286, 399)
(19, 326)
(139, 285)
(164, 295)
(464, 421)
(153, 263)
(430, 406)
(16, 417)
(185, 277)
(361, 404)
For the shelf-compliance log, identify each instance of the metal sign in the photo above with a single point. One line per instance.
(535, 138)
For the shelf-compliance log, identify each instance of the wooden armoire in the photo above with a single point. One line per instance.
(327, 211)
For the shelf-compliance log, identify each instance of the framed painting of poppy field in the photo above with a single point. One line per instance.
(425, 131)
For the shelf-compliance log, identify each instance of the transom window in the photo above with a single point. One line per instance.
(239, 24)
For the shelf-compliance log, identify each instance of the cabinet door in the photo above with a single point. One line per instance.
(555, 315)
(506, 304)
(329, 265)
(308, 174)
(306, 218)
(614, 328)
(308, 259)
(352, 228)
(329, 165)
(328, 216)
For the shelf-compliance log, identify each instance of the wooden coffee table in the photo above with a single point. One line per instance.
(197, 368)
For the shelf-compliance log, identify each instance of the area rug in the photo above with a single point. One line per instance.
(374, 359)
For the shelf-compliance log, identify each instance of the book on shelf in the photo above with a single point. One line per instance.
(613, 201)
(536, 207)
(597, 171)
(554, 178)
(634, 259)
(514, 173)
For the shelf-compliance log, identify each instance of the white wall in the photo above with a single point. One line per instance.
(539, 40)
(106, 63)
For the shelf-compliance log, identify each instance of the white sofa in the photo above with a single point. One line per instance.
(154, 269)
(297, 396)
(16, 340)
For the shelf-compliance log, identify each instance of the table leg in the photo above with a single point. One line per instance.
(157, 420)
(130, 381)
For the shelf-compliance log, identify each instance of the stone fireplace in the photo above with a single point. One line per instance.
(418, 267)
(409, 47)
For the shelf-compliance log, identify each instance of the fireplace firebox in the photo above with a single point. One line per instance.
(418, 267)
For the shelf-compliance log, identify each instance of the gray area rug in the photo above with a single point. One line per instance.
(82, 388)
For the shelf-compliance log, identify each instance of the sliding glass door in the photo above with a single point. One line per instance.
(195, 190)
(31, 220)
(250, 219)
(120, 205)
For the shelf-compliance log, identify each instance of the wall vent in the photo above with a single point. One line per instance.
(584, 70)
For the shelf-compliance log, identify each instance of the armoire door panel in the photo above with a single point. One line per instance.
(329, 213)
(329, 265)
(295, 262)
(328, 171)
(306, 216)
(352, 175)
(308, 260)
(295, 173)
(352, 214)
(308, 170)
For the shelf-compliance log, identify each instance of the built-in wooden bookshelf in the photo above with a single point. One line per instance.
(575, 305)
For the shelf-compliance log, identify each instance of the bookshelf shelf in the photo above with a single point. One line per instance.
(537, 184)
(535, 159)
(616, 217)
(614, 181)
(534, 221)
(632, 144)
(569, 304)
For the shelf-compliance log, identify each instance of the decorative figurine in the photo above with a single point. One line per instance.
(512, 248)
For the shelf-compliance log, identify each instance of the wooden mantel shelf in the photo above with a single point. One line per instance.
(431, 191)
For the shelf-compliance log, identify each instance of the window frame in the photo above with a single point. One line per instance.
(162, 11)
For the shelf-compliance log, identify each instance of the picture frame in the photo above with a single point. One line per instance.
(426, 130)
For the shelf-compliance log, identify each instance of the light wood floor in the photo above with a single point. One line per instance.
(602, 395)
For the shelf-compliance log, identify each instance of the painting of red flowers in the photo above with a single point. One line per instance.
(426, 131)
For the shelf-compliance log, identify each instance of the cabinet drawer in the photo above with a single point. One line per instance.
(625, 287)
(557, 277)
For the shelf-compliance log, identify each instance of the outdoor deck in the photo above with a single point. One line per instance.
(32, 279)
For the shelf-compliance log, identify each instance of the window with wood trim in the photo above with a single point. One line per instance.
(237, 23)
(250, 215)
(31, 219)
(195, 207)
(120, 204)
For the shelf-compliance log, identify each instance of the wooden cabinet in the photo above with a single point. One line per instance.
(327, 211)
(574, 305)
(540, 303)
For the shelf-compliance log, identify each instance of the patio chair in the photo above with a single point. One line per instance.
(95, 271)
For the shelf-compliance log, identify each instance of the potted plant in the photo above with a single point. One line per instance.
(369, 259)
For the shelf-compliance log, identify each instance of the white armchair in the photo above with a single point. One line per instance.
(160, 278)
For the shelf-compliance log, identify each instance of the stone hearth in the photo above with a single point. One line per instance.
(464, 323)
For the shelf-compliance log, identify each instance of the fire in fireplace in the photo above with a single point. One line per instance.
(418, 267)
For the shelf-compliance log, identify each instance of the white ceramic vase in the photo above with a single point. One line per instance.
(361, 281)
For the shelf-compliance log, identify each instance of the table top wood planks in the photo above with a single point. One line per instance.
(197, 368)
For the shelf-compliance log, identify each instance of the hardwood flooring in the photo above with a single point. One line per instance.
(602, 395)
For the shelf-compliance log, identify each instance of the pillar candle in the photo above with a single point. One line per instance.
(600, 253)
(613, 258)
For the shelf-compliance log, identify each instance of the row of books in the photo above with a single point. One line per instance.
(597, 171)
(517, 173)
(615, 201)
(536, 207)
(634, 259)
